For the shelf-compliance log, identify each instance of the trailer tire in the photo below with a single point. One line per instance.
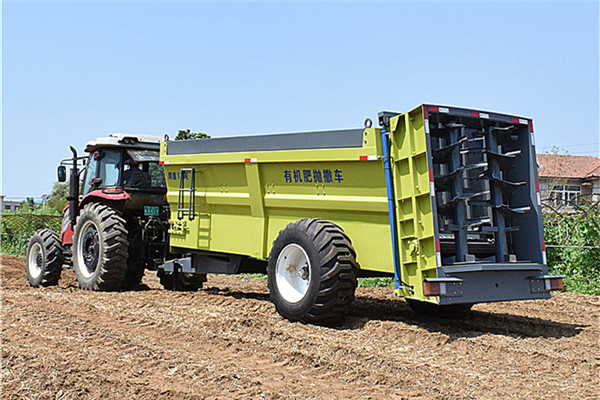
(451, 311)
(100, 248)
(312, 272)
(44, 258)
(181, 282)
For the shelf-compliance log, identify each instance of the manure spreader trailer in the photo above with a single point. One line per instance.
(444, 199)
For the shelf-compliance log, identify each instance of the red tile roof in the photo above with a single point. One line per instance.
(568, 166)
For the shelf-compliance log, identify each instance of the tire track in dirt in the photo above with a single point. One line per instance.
(228, 342)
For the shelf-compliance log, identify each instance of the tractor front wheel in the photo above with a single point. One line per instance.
(100, 248)
(44, 258)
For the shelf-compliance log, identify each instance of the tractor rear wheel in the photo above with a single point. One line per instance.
(100, 248)
(44, 258)
(312, 272)
(180, 281)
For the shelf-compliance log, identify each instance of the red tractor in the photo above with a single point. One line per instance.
(116, 224)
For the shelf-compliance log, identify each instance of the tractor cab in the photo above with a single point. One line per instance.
(119, 164)
(128, 162)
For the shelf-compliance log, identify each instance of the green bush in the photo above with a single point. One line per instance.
(17, 228)
(578, 257)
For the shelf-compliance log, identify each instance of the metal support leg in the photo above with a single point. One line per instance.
(454, 164)
(496, 198)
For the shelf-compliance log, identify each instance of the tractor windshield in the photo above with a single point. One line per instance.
(131, 169)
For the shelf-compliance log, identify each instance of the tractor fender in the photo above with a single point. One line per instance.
(66, 231)
(116, 198)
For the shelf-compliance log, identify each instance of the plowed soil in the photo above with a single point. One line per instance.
(226, 341)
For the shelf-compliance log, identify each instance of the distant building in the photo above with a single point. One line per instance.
(8, 205)
(566, 180)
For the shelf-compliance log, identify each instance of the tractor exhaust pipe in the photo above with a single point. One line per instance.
(73, 197)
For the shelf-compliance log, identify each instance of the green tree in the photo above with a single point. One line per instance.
(57, 199)
(28, 205)
(187, 134)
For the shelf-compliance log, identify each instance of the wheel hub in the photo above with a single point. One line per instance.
(35, 261)
(292, 273)
(89, 250)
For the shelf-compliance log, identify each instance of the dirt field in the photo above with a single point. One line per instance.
(228, 342)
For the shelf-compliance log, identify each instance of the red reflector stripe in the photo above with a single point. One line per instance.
(537, 186)
(430, 174)
(161, 163)
(364, 158)
(531, 126)
(543, 245)
(475, 114)
(246, 160)
(556, 284)
(425, 113)
(434, 109)
(514, 120)
(431, 288)
(437, 245)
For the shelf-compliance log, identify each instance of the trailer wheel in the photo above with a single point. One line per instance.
(100, 248)
(44, 258)
(451, 311)
(312, 272)
(181, 282)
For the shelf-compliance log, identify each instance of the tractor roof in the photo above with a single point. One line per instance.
(126, 140)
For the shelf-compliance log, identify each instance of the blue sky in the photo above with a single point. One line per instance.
(73, 71)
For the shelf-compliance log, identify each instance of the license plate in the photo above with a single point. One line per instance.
(151, 211)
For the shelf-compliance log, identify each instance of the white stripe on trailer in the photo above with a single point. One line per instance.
(523, 121)
(426, 126)
(544, 257)
(482, 115)
(444, 110)
(432, 189)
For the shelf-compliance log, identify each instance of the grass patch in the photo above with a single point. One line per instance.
(258, 277)
(376, 282)
(362, 282)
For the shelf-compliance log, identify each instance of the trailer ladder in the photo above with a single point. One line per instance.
(182, 210)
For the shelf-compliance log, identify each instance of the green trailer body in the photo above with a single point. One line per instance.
(465, 205)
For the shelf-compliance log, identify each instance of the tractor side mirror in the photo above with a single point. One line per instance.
(96, 181)
(62, 173)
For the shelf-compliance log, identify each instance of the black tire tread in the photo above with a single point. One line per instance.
(53, 262)
(114, 258)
